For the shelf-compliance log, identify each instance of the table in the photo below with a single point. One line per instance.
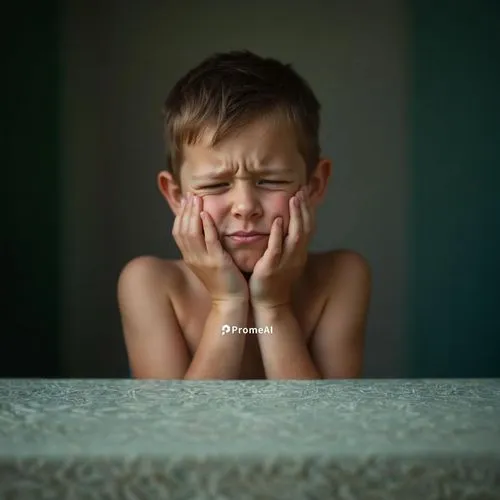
(347, 439)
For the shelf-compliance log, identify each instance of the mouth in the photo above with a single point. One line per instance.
(242, 237)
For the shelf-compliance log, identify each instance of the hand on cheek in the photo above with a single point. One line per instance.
(197, 237)
(285, 256)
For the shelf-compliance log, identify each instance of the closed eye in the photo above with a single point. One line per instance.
(224, 184)
(214, 186)
(275, 182)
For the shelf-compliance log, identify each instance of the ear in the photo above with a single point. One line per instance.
(318, 181)
(170, 190)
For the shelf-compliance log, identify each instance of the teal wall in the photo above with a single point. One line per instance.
(31, 178)
(454, 240)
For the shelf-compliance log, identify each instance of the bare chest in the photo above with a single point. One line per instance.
(306, 306)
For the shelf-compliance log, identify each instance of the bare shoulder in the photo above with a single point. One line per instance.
(336, 267)
(151, 272)
(154, 341)
(338, 341)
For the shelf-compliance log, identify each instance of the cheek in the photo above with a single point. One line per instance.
(278, 206)
(213, 207)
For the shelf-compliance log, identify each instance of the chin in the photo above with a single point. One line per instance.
(246, 261)
(246, 268)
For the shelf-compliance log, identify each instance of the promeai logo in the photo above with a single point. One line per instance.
(244, 330)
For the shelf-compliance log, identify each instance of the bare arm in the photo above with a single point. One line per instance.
(336, 347)
(284, 351)
(219, 356)
(337, 344)
(155, 343)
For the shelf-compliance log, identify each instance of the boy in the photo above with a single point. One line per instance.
(244, 179)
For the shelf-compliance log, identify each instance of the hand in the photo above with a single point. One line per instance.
(283, 261)
(196, 236)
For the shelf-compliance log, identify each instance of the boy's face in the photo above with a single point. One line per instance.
(246, 182)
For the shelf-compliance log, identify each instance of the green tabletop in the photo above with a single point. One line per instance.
(345, 439)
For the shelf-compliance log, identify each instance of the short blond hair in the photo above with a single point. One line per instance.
(229, 90)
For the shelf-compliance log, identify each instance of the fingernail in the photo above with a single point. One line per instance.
(183, 201)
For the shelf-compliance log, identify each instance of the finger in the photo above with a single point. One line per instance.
(176, 226)
(312, 215)
(194, 222)
(176, 229)
(184, 222)
(195, 235)
(276, 235)
(185, 226)
(294, 227)
(274, 250)
(212, 239)
(305, 210)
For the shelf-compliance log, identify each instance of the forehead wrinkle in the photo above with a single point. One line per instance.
(213, 171)
(220, 169)
(252, 164)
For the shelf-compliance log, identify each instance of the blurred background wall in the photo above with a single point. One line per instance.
(410, 119)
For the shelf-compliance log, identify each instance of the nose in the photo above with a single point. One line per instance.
(245, 202)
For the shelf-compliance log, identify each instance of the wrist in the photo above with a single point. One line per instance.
(271, 307)
(230, 303)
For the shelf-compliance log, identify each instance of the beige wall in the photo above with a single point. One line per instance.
(120, 61)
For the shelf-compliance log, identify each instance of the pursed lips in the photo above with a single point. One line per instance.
(247, 233)
(243, 237)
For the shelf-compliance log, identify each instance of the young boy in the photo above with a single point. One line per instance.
(244, 179)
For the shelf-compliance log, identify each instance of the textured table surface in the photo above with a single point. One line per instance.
(350, 439)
